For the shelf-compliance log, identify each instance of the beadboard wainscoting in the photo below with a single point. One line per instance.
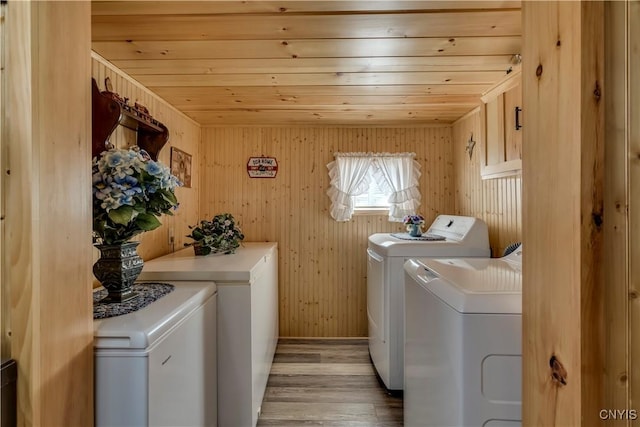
(496, 201)
(184, 134)
(322, 267)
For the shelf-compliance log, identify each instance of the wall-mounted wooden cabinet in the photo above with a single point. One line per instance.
(107, 114)
(502, 129)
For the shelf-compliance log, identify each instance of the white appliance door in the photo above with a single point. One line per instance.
(375, 296)
(182, 372)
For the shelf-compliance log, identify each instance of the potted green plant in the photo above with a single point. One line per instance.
(220, 235)
(202, 235)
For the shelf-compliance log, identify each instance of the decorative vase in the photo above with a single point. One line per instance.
(415, 230)
(117, 269)
(200, 250)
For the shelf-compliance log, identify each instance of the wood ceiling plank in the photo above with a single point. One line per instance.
(293, 91)
(200, 103)
(99, 8)
(439, 109)
(323, 79)
(315, 48)
(457, 106)
(315, 65)
(256, 27)
(286, 117)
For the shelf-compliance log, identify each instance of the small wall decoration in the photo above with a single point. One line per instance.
(181, 166)
(470, 144)
(262, 167)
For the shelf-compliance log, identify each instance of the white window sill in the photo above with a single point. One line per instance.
(371, 211)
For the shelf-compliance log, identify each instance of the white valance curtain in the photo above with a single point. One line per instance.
(347, 173)
(398, 175)
(395, 173)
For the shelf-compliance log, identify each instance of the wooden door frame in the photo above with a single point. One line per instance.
(562, 198)
(5, 350)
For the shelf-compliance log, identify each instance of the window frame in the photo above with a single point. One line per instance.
(371, 209)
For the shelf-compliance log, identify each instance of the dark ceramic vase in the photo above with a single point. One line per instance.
(200, 250)
(117, 269)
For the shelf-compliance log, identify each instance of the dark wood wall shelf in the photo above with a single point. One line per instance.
(108, 113)
(133, 122)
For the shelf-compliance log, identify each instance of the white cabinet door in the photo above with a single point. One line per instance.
(182, 372)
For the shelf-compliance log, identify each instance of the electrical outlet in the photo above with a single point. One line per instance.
(172, 238)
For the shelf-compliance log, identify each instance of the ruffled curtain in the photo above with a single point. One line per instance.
(348, 173)
(396, 174)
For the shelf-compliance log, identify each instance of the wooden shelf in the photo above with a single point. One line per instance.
(107, 114)
(133, 122)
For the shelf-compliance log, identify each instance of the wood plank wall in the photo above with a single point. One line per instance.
(563, 156)
(633, 167)
(184, 134)
(322, 264)
(618, 300)
(496, 201)
(48, 221)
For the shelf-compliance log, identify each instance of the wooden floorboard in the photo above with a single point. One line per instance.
(315, 382)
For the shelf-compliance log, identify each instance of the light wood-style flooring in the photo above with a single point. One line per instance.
(328, 382)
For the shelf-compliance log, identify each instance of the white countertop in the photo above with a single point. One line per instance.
(240, 266)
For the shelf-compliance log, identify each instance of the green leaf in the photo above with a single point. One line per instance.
(168, 196)
(147, 222)
(99, 227)
(122, 215)
(139, 207)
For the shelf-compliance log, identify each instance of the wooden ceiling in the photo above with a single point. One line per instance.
(364, 63)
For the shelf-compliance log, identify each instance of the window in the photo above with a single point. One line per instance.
(374, 181)
(375, 199)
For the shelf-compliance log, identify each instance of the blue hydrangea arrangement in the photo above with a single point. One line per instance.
(130, 192)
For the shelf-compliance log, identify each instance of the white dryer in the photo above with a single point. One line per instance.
(456, 236)
(463, 342)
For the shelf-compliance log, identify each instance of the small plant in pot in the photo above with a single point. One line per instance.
(219, 235)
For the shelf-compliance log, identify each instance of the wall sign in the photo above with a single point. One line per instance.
(262, 167)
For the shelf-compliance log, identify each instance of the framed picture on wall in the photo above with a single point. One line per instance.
(181, 166)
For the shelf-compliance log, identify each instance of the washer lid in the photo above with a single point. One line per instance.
(464, 236)
(472, 285)
(386, 245)
(142, 328)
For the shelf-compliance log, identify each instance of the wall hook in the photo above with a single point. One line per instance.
(470, 144)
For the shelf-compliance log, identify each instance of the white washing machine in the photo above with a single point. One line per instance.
(458, 236)
(463, 342)
(157, 366)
